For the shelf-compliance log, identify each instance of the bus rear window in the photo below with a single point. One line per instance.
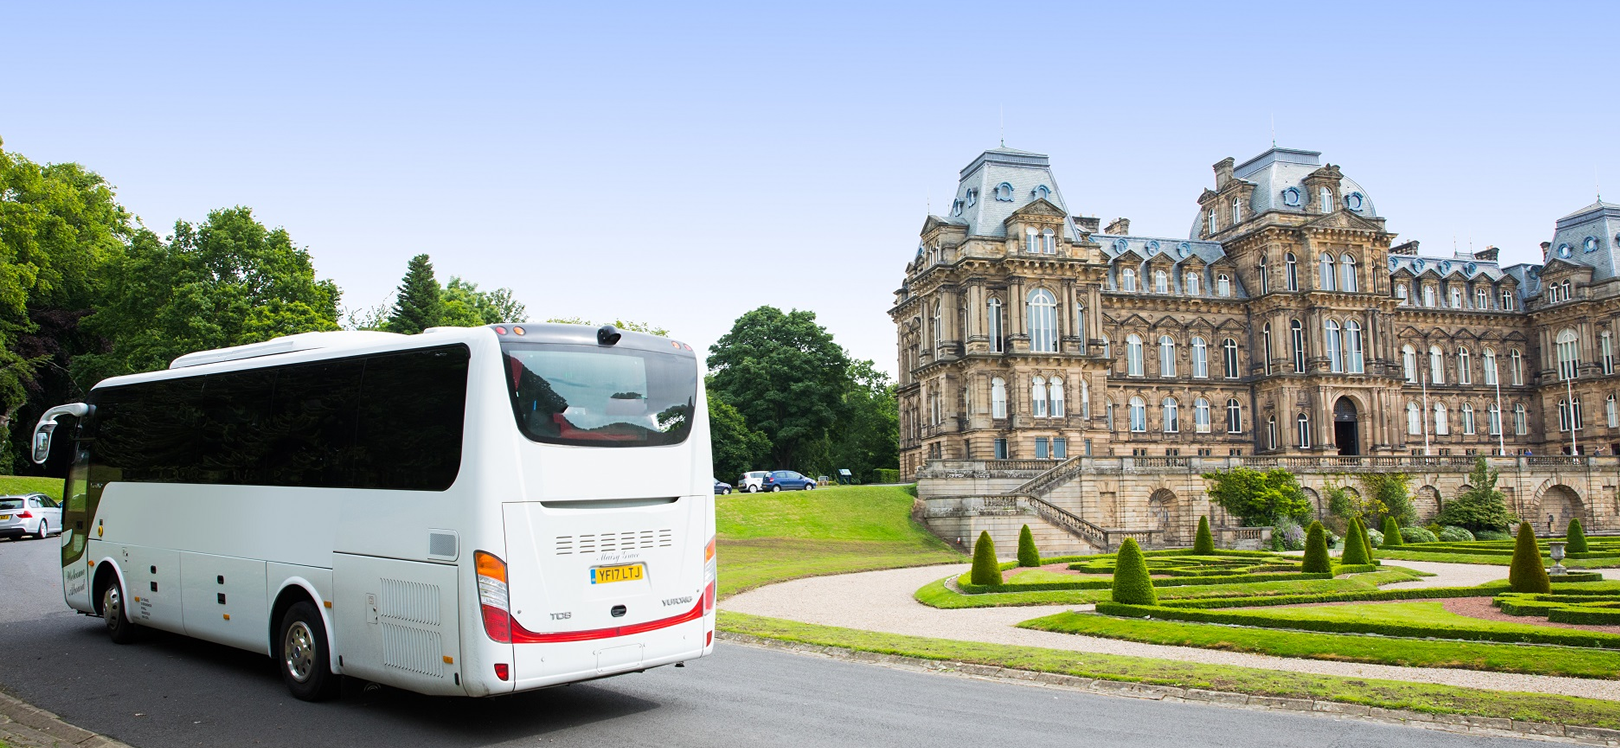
(591, 396)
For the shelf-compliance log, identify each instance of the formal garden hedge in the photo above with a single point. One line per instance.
(1169, 568)
(1601, 608)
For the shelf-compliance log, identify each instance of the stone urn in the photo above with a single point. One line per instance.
(1557, 557)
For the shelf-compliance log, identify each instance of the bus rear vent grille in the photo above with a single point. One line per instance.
(409, 601)
(568, 545)
(413, 650)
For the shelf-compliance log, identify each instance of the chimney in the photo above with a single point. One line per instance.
(1223, 172)
(1087, 224)
(1546, 252)
(1406, 248)
(1488, 254)
(1120, 227)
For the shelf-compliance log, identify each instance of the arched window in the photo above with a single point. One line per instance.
(1330, 341)
(1223, 285)
(1482, 298)
(1465, 374)
(993, 319)
(1042, 321)
(1414, 419)
(1521, 424)
(1517, 360)
(1303, 425)
(1291, 272)
(1606, 349)
(1468, 418)
(1611, 412)
(1409, 363)
(1229, 346)
(1325, 278)
(1352, 340)
(1437, 366)
(1442, 425)
(1428, 295)
(1085, 400)
(1456, 296)
(1489, 363)
(1493, 420)
(939, 325)
(1127, 279)
(998, 398)
(1326, 196)
(1265, 342)
(1234, 416)
(1172, 416)
(1569, 354)
(1237, 210)
(1265, 281)
(1200, 358)
(1507, 300)
(1029, 240)
(1049, 242)
(1037, 397)
(1161, 282)
(1167, 356)
(1133, 355)
(1055, 390)
(1138, 414)
(1400, 294)
(1298, 332)
(1108, 348)
(1347, 274)
(1190, 283)
(1271, 432)
(1211, 220)
(1201, 416)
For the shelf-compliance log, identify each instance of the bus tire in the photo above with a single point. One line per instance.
(119, 628)
(302, 654)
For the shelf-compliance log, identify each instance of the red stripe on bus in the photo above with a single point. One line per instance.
(522, 635)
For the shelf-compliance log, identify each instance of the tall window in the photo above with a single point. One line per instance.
(1108, 414)
(1347, 274)
(1223, 285)
(1409, 363)
(1521, 425)
(1042, 321)
(1138, 414)
(1230, 347)
(1437, 366)
(1517, 360)
(1211, 220)
(1611, 412)
(1298, 332)
(1493, 420)
(1108, 348)
(1465, 375)
(1428, 295)
(1037, 397)
(1133, 355)
(1029, 240)
(998, 398)
(1330, 341)
(1265, 282)
(1201, 416)
(1127, 279)
(1265, 341)
(1200, 358)
(1569, 353)
(1271, 432)
(1352, 339)
(1080, 326)
(1456, 297)
(1414, 419)
(1400, 294)
(1482, 298)
(1291, 272)
(1055, 388)
(1303, 425)
(1507, 300)
(1167, 356)
(1569, 413)
(1325, 279)
(1161, 282)
(993, 317)
(1606, 346)
(1326, 196)
(1442, 425)
(1049, 242)
(939, 325)
(1190, 283)
(1489, 362)
(1468, 418)
(1237, 210)
(1172, 416)
(1234, 416)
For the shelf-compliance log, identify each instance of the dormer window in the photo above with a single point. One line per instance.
(1040, 192)
(1428, 295)
(1400, 293)
(1029, 240)
(1507, 299)
(1566, 294)
(1237, 210)
(1161, 282)
(1049, 242)
(972, 197)
(1482, 298)
(1326, 196)
(1127, 279)
(1223, 285)
(1189, 283)
(956, 207)
(1456, 297)
(1589, 244)
(1004, 192)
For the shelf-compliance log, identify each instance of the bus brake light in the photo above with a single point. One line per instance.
(501, 671)
(493, 598)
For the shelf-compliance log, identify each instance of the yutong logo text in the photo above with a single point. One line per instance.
(677, 601)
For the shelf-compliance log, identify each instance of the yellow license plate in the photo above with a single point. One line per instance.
(5, 516)
(610, 574)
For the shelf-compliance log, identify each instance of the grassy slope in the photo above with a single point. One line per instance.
(15, 484)
(772, 537)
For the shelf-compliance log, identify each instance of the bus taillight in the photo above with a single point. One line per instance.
(710, 574)
(492, 596)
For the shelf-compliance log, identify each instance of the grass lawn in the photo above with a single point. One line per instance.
(15, 484)
(937, 595)
(772, 537)
(1550, 660)
(1492, 560)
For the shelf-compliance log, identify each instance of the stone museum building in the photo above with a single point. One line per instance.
(1287, 324)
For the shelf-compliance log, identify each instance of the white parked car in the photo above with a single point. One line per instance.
(30, 514)
(753, 481)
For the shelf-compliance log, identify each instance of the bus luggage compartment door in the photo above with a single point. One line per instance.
(397, 622)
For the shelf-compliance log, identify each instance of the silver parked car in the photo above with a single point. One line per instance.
(29, 514)
(753, 481)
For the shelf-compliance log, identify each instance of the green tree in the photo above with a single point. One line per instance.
(1028, 555)
(1132, 584)
(466, 306)
(1256, 498)
(622, 324)
(1355, 546)
(1204, 542)
(787, 377)
(1480, 506)
(417, 304)
(1576, 535)
(736, 448)
(1392, 533)
(986, 570)
(1527, 574)
(1389, 496)
(866, 436)
(1317, 560)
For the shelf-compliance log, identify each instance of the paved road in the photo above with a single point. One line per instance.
(172, 691)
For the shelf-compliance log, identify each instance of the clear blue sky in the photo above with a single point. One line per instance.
(681, 164)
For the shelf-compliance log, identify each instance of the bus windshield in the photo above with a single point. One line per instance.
(585, 395)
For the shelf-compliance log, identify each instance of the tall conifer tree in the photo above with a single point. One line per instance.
(417, 306)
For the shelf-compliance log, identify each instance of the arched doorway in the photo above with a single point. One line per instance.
(1562, 504)
(1345, 432)
(1163, 514)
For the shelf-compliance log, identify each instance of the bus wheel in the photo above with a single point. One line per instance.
(302, 655)
(119, 628)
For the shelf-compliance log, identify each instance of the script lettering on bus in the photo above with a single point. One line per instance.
(619, 556)
(75, 581)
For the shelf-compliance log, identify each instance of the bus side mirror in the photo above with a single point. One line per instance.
(47, 424)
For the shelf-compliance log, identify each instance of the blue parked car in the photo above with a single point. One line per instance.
(721, 488)
(787, 479)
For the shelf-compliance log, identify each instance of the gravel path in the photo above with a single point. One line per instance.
(881, 601)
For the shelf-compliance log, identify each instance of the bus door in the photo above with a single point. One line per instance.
(76, 571)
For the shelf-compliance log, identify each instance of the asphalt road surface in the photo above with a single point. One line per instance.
(168, 690)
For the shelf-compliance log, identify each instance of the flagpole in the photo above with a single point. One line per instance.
(1425, 413)
(1501, 422)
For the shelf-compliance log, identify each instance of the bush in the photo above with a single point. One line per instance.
(1434, 527)
(1366, 539)
(887, 475)
(1376, 538)
(1362, 569)
(1131, 581)
(985, 569)
(1027, 554)
(1281, 620)
(1316, 552)
(1204, 544)
(1493, 535)
(1392, 534)
(1419, 535)
(1526, 574)
(1481, 506)
(1576, 536)
(1287, 535)
(1355, 547)
(1454, 534)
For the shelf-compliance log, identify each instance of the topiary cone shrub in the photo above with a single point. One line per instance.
(1355, 546)
(1366, 539)
(1027, 554)
(986, 570)
(1317, 560)
(1392, 533)
(1204, 544)
(1576, 535)
(1527, 573)
(1132, 585)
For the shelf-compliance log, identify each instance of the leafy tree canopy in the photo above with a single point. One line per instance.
(466, 306)
(1480, 505)
(1256, 498)
(787, 377)
(737, 448)
(622, 324)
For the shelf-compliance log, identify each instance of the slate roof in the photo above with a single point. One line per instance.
(982, 205)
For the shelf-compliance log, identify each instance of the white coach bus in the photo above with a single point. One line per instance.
(469, 511)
